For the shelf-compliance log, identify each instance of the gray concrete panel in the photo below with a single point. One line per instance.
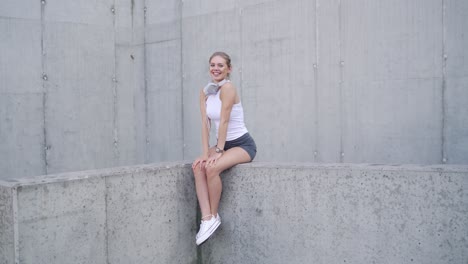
(20, 56)
(410, 130)
(21, 131)
(341, 214)
(456, 89)
(456, 121)
(129, 23)
(392, 82)
(168, 31)
(27, 9)
(130, 83)
(250, 3)
(197, 8)
(151, 217)
(129, 14)
(90, 12)
(63, 222)
(162, 22)
(21, 99)
(278, 79)
(164, 101)
(391, 40)
(456, 39)
(201, 38)
(195, 67)
(130, 105)
(7, 243)
(130, 36)
(80, 97)
(327, 111)
(162, 11)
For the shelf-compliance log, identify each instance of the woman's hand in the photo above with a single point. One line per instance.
(213, 159)
(199, 161)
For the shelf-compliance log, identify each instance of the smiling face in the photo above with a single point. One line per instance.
(219, 68)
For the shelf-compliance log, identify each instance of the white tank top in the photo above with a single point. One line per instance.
(236, 127)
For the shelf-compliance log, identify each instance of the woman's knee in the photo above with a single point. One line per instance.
(211, 172)
(198, 170)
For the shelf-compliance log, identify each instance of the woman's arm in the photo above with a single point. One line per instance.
(228, 98)
(205, 125)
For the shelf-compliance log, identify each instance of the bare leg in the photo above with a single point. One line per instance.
(201, 187)
(230, 158)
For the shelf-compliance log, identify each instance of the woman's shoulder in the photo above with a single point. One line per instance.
(228, 86)
(228, 91)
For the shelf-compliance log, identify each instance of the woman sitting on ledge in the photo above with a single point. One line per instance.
(220, 103)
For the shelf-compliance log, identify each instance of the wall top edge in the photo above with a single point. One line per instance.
(116, 171)
(88, 174)
(363, 166)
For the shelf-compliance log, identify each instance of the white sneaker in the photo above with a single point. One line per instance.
(200, 231)
(207, 228)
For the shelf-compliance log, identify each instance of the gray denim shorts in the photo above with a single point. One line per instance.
(246, 142)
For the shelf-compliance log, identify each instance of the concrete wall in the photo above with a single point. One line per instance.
(338, 81)
(91, 84)
(143, 214)
(301, 213)
(271, 213)
(72, 85)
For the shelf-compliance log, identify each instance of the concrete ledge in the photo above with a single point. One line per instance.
(139, 214)
(335, 213)
(272, 213)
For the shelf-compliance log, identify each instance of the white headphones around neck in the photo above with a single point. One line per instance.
(212, 88)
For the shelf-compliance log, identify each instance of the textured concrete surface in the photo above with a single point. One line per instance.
(271, 213)
(142, 214)
(300, 213)
(151, 216)
(86, 85)
(62, 222)
(7, 227)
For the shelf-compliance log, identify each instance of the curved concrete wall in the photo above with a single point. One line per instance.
(271, 213)
(88, 84)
